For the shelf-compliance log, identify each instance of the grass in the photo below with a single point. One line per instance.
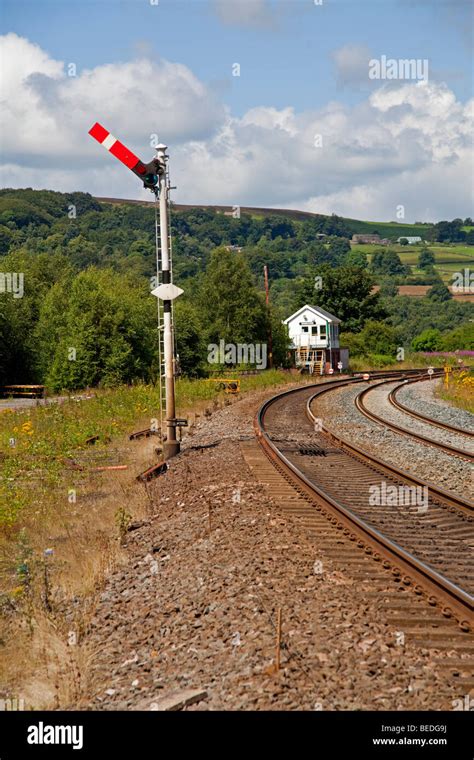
(40, 442)
(448, 258)
(460, 391)
(412, 361)
(441, 257)
(388, 229)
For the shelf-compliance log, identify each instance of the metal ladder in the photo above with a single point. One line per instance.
(161, 331)
(161, 336)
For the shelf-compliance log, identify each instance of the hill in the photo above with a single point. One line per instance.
(86, 265)
(354, 226)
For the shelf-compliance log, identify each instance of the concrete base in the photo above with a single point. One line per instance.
(171, 449)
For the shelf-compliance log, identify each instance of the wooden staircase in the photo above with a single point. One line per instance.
(311, 358)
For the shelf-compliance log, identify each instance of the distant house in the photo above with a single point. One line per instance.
(314, 335)
(235, 248)
(411, 240)
(366, 239)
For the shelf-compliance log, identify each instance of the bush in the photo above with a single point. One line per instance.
(428, 340)
(376, 339)
(461, 338)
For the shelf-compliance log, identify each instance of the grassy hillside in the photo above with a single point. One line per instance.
(88, 266)
(355, 226)
(391, 230)
(448, 258)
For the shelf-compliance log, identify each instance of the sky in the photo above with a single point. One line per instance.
(261, 102)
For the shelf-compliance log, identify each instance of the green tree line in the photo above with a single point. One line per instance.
(86, 316)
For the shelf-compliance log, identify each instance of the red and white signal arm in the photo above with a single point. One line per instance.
(146, 172)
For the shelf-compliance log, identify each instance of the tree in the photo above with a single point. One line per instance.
(232, 309)
(386, 261)
(403, 241)
(18, 315)
(317, 253)
(375, 338)
(461, 338)
(98, 329)
(190, 341)
(439, 292)
(6, 238)
(355, 258)
(428, 340)
(388, 287)
(426, 259)
(413, 315)
(339, 247)
(449, 232)
(345, 292)
(277, 226)
(280, 339)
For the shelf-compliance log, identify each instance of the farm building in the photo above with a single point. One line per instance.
(374, 239)
(411, 239)
(314, 335)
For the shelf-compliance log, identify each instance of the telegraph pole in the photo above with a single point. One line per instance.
(267, 301)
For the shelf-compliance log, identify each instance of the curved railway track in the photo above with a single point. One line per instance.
(360, 403)
(425, 545)
(392, 397)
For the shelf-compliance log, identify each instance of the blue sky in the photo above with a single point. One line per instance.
(299, 61)
(287, 62)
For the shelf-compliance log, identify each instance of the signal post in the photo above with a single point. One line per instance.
(154, 176)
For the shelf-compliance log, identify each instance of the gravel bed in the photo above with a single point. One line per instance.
(339, 414)
(421, 398)
(377, 402)
(194, 605)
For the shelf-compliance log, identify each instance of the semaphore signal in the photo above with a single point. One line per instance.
(148, 173)
(154, 176)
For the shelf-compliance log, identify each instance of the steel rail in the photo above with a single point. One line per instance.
(392, 397)
(455, 601)
(447, 498)
(359, 402)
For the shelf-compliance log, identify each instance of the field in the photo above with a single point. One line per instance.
(448, 258)
(388, 229)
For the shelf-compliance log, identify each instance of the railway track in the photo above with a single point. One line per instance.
(428, 440)
(393, 547)
(423, 417)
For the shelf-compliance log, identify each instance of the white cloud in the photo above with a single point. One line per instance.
(250, 13)
(406, 144)
(46, 114)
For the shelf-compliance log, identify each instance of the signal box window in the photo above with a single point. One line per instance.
(322, 331)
